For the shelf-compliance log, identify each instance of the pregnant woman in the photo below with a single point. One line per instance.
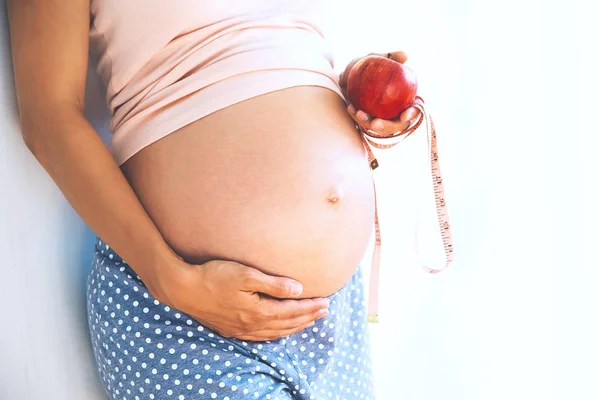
(236, 200)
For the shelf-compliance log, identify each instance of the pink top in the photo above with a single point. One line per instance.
(166, 64)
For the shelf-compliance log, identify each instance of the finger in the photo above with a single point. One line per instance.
(409, 114)
(275, 286)
(362, 116)
(273, 309)
(361, 124)
(293, 323)
(268, 334)
(399, 56)
(386, 127)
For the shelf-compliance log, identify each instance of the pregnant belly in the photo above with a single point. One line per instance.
(279, 182)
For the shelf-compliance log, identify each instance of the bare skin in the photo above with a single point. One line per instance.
(50, 76)
(248, 263)
(284, 184)
(287, 191)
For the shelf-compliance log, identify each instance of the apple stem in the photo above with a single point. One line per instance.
(389, 55)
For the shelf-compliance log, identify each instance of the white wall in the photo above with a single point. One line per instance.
(45, 254)
(513, 88)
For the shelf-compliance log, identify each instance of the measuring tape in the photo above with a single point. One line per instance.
(381, 141)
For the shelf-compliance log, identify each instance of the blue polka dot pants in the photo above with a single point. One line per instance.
(146, 350)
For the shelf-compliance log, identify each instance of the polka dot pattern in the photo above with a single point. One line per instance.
(146, 350)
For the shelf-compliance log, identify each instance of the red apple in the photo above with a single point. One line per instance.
(381, 87)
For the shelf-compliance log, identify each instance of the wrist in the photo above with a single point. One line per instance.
(158, 266)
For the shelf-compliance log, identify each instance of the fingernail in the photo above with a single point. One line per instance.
(378, 125)
(362, 116)
(295, 289)
(351, 109)
(323, 312)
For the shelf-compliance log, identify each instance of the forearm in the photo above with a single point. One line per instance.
(72, 153)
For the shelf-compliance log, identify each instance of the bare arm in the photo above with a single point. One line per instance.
(50, 51)
(50, 48)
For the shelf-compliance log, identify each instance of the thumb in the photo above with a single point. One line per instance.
(274, 286)
(399, 56)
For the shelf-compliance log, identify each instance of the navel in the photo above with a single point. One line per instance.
(334, 197)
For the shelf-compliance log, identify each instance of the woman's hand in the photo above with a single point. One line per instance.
(235, 300)
(367, 122)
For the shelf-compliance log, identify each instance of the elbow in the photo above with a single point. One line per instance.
(31, 135)
(29, 138)
(39, 129)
